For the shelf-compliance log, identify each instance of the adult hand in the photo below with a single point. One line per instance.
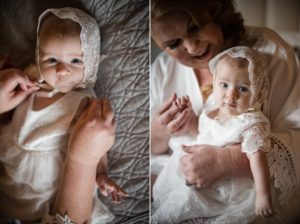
(190, 126)
(14, 88)
(206, 164)
(93, 134)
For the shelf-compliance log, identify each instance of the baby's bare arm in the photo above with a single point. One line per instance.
(260, 171)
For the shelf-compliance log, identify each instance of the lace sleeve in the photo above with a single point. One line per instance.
(256, 138)
(282, 168)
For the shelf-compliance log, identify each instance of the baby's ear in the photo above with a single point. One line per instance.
(32, 72)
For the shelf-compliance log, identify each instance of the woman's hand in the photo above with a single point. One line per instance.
(190, 126)
(93, 134)
(14, 88)
(206, 164)
(108, 187)
(171, 120)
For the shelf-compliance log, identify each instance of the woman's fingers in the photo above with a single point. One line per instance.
(177, 124)
(169, 115)
(107, 111)
(167, 104)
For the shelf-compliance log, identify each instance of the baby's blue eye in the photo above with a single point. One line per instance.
(244, 89)
(52, 60)
(76, 61)
(224, 85)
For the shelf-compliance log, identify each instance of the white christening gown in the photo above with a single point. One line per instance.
(32, 149)
(230, 200)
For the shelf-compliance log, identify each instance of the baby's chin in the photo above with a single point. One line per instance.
(64, 88)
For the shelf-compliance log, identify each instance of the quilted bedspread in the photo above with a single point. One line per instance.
(122, 77)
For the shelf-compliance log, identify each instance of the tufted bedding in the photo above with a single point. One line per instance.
(122, 77)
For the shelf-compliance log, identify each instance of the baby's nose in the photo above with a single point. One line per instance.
(232, 94)
(62, 69)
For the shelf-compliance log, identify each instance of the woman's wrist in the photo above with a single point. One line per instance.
(238, 163)
(82, 157)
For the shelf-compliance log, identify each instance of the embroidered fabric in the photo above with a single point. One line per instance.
(282, 168)
(57, 219)
(90, 41)
(257, 72)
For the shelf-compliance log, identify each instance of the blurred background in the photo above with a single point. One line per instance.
(281, 16)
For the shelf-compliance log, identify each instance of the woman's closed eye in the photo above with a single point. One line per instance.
(173, 45)
(193, 29)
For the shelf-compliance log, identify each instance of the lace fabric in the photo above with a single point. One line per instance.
(257, 72)
(90, 41)
(282, 168)
(57, 219)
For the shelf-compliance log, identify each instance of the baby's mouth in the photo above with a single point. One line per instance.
(231, 105)
(46, 90)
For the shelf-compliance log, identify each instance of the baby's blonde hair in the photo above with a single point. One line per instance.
(52, 25)
(238, 61)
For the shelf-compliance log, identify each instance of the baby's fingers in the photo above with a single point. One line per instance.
(115, 197)
(103, 190)
(121, 192)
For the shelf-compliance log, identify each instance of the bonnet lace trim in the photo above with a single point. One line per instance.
(90, 41)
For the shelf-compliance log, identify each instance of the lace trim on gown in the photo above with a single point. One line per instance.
(57, 219)
(282, 168)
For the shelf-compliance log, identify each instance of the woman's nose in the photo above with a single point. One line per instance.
(62, 69)
(191, 46)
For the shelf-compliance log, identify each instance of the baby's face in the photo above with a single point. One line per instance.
(61, 62)
(232, 89)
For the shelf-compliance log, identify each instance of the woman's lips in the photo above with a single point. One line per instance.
(203, 54)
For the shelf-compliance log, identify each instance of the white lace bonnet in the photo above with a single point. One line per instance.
(258, 72)
(90, 41)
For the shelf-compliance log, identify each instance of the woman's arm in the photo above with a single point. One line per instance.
(205, 164)
(92, 137)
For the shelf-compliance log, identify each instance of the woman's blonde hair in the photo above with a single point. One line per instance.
(222, 12)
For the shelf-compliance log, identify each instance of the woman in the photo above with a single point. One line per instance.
(191, 33)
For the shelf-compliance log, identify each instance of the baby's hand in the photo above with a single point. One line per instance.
(263, 206)
(108, 187)
(182, 103)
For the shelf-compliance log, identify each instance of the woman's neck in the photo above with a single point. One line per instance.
(204, 76)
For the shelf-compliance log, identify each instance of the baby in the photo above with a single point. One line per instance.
(34, 144)
(240, 86)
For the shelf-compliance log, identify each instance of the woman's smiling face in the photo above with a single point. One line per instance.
(180, 37)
